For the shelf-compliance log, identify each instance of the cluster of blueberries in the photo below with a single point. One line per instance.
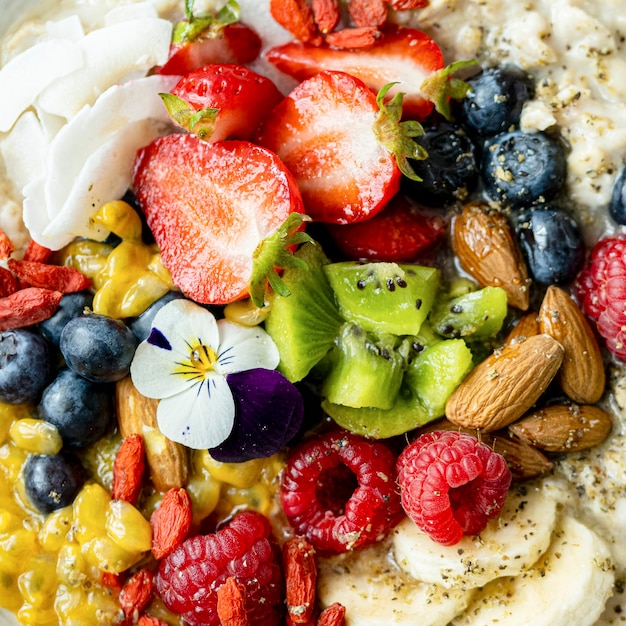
(66, 365)
(486, 154)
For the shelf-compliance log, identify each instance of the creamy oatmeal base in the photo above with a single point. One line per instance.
(575, 50)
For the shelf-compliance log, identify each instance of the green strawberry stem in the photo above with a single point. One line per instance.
(441, 87)
(397, 136)
(274, 252)
(204, 26)
(201, 123)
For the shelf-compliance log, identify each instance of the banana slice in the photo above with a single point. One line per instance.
(568, 586)
(509, 545)
(376, 592)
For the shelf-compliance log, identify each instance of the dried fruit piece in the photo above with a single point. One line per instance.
(326, 14)
(564, 427)
(333, 615)
(486, 247)
(36, 252)
(581, 376)
(8, 283)
(231, 604)
(112, 581)
(27, 307)
(296, 16)
(506, 384)
(137, 592)
(55, 277)
(367, 13)
(128, 469)
(407, 5)
(6, 245)
(300, 579)
(149, 620)
(170, 522)
(353, 38)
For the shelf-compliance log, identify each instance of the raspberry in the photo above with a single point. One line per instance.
(314, 498)
(188, 579)
(601, 289)
(451, 484)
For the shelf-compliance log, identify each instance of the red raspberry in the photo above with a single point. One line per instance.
(601, 288)
(339, 491)
(188, 579)
(451, 484)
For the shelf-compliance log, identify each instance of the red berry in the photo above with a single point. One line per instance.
(451, 484)
(311, 491)
(601, 288)
(188, 579)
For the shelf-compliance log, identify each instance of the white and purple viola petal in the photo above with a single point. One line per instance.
(269, 414)
(245, 347)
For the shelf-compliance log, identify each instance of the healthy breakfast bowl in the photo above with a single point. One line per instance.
(312, 313)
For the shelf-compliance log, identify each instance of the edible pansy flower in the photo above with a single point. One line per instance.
(215, 378)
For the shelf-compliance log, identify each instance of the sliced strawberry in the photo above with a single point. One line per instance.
(221, 213)
(343, 150)
(221, 101)
(400, 233)
(404, 56)
(212, 38)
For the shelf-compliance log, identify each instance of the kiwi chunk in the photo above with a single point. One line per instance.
(436, 372)
(365, 372)
(384, 297)
(406, 414)
(304, 324)
(477, 315)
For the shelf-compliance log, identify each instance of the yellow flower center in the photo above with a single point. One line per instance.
(202, 360)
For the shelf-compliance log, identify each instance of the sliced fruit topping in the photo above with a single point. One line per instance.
(384, 297)
(304, 324)
(210, 206)
(452, 484)
(365, 372)
(325, 133)
(210, 38)
(220, 101)
(338, 490)
(404, 56)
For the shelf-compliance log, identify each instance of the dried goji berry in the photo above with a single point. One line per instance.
(326, 14)
(37, 252)
(170, 522)
(148, 620)
(296, 16)
(128, 469)
(333, 615)
(112, 581)
(353, 38)
(137, 593)
(8, 283)
(231, 604)
(27, 307)
(6, 245)
(407, 5)
(57, 277)
(364, 13)
(300, 579)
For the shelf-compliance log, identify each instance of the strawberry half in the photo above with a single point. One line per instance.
(221, 213)
(345, 148)
(401, 232)
(404, 56)
(221, 101)
(202, 39)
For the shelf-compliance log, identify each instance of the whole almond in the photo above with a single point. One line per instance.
(582, 375)
(527, 326)
(167, 460)
(563, 427)
(500, 389)
(523, 459)
(484, 243)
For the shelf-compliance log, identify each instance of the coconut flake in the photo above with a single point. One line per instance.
(44, 64)
(112, 54)
(70, 28)
(127, 12)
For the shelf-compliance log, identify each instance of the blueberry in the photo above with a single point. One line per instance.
(72, 305)
(26, 366)
(142, 325)
(450, 171)
(53, 482)
(521, 168)
(495, 103)
(552, 243)
(617, 206)
(81, 410)
(98, 347)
